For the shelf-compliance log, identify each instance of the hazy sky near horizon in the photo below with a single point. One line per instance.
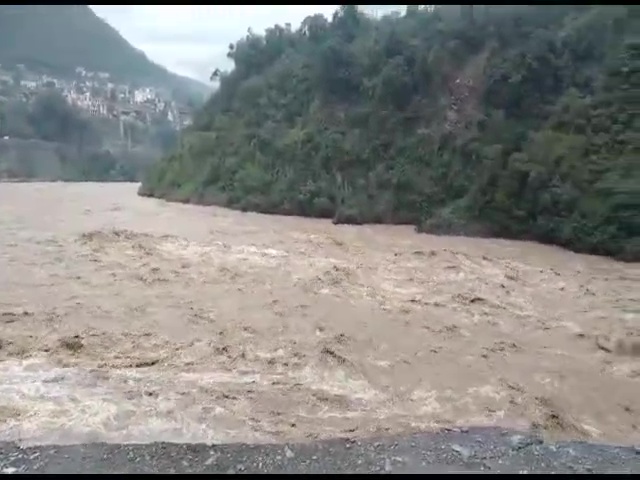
(192, 40)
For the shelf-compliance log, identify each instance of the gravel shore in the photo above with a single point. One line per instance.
(477, 450)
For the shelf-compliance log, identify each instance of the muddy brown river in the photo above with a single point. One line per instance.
(129, 319)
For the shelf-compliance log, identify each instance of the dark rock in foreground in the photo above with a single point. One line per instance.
(477, 450)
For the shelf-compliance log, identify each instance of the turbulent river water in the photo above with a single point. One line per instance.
(128, 319)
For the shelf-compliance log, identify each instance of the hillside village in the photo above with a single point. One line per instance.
(97, 94)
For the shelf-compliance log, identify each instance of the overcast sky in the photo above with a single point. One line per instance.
(192, 39)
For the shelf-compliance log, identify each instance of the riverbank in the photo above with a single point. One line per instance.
(459, 451)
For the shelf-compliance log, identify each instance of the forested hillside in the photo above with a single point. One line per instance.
(56, 39)
(511, 121)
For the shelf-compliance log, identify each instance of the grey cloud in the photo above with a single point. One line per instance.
(199, 68)
(188, 37)
(193, 39)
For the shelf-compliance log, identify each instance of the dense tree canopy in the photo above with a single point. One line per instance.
(510, 121)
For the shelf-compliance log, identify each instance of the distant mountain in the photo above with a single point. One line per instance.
(56, 39)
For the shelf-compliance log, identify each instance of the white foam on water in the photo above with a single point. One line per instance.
(44, 404)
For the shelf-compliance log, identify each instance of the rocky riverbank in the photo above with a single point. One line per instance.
(478, 450)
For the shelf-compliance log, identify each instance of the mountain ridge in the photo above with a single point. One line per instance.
(58, 38)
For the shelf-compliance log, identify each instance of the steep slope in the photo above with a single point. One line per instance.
(59, 38)
(488, 120)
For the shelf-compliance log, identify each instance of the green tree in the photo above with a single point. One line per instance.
(511, 121)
